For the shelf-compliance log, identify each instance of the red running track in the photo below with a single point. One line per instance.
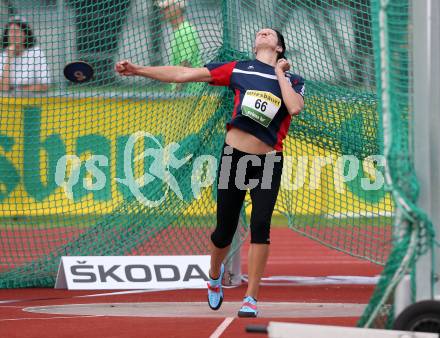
(291, 254)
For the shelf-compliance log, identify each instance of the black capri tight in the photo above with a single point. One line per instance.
(239, 172)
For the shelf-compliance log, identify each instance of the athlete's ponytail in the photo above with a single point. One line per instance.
(282, 44)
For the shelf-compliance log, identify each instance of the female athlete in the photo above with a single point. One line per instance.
(266, 97)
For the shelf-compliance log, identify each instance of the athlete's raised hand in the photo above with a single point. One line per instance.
(126, 68)
(282, 66)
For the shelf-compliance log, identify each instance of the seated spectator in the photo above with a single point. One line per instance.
(23, 65)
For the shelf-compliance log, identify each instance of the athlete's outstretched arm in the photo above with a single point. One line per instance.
(293, 101)
(177, 74)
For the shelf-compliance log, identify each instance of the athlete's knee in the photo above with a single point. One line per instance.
(221, 239)
(260, 233)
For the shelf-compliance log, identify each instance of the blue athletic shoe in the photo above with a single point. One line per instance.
(215, 292)
(249, 307)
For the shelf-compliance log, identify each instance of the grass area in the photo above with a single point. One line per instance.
(324, 220)
(279, 221)
(85, 221)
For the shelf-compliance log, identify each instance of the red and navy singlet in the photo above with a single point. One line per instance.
(258, 106)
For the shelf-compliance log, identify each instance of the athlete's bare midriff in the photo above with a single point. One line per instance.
(246, 142)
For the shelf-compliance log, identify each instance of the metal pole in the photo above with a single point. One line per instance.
(231, 29)
(62, 20)
(426, 70)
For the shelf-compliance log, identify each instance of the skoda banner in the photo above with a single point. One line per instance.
(132, 272)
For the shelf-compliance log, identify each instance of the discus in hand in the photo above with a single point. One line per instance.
(78, 71)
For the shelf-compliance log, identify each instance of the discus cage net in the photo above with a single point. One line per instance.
(75, 160)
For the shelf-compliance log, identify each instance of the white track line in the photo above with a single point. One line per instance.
(222, 327)
(117, 293)
(63, 317)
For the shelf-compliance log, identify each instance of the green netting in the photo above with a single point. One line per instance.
(413, 233)
(103, 199)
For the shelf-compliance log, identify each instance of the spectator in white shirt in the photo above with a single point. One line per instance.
(23, 65)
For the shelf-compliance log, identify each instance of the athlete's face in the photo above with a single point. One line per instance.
(267, 38)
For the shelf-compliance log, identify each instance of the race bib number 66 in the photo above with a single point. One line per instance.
(260, 106)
